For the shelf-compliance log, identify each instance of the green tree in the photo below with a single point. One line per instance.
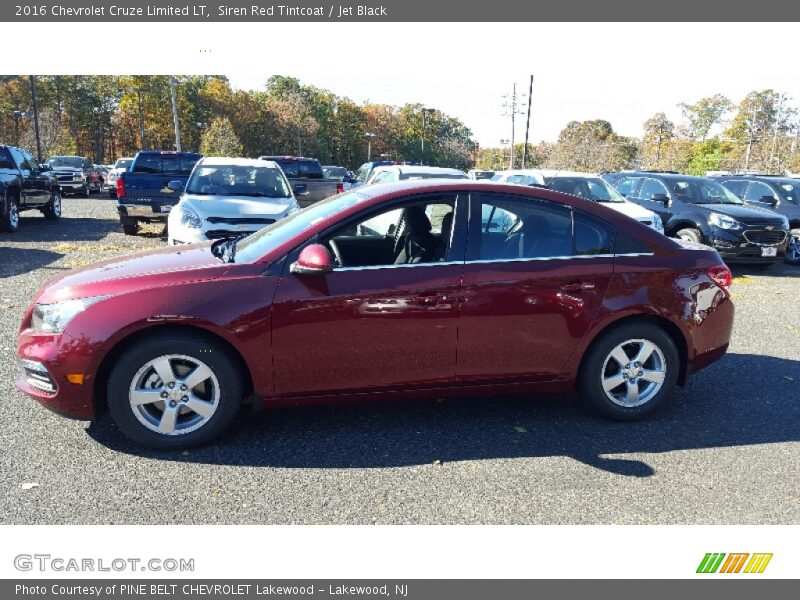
(220, 139)
(704, 114)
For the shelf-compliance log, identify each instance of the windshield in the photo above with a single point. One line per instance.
(699, 191)
(585, 187)
(331, 172)
(264, 240)
(123, 164)
(790, 190)
(238, 180)
(75, 162)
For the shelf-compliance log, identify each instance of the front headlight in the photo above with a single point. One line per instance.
(724, 222)
(190, 219)
(785, 223)
(53, 318)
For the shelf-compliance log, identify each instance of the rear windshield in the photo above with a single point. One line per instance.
(164, 163)
(309, 169)
(123, 164)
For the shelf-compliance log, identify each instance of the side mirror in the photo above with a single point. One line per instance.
(660, 198)
(300, 189)
(176, 185)
(771, 200)
(44, 167)
(313, 260)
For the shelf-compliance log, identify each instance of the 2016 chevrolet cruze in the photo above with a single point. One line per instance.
(396, 290)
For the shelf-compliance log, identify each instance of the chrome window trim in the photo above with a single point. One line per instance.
(491, 260)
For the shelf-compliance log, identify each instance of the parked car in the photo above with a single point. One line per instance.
(365, 170)
(307, 178)
(780, 194)
(342, 174)
(589, 186)
(143, 191)
(229, 197)
(701, 210)
(568, 295)
(120, 166)
(479, 174)
(72, 173)
(25, 185)
(392, 173)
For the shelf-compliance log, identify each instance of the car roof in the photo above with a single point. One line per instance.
(411, 169)
(228, 161)
(670, 176)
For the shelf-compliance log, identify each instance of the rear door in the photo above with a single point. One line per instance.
(533, 282)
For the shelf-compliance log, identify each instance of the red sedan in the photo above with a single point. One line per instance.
(399, 290)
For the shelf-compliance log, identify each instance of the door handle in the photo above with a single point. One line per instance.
(572, 288)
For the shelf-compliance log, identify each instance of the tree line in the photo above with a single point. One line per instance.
(760, 133)
(106, 117)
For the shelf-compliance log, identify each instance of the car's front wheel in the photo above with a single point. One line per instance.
(9, 214)
(690, 234)
(629, 371)
(793, 249)
(174, 391)
(53, 209)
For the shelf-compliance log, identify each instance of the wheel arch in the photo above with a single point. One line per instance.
(107, 363)
(669, 327)
(682, 224)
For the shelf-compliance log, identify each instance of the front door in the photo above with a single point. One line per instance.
(386, 317)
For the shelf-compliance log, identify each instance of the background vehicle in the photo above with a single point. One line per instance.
(342, 174)
(557, 298)
(95, 178)
(120, 166)
(71, 172)
(391, 173)
(478, 174)
(701, 210)
(229, 197)
(780, 194)
(365, 170)
(143, 192)
(307, 178)
(25, 185)
(589, 186)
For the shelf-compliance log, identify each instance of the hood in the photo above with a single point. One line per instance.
(630, 209)
(164, 266)
(232, 207)
(743, 213)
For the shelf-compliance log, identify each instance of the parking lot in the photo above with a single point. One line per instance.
(725, 452)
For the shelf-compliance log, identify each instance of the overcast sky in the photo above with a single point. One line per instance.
(620, 72)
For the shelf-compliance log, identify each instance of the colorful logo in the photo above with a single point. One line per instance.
(719, 562)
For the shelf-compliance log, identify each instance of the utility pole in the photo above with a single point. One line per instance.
(512, 105)
(775, 132)
(658, 145)
(527, 125)
(750, 140)
(36, 118)
(175, 114)
(422, 144)
(18, 114)
(141, 117)
(369, 137)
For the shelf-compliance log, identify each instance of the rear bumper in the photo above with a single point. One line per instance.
(151, 212)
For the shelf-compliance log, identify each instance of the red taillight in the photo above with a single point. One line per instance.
(721, 275)
(120, 187)
(339, 188)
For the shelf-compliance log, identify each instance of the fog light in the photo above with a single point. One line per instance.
(32, 365)
(76, 378)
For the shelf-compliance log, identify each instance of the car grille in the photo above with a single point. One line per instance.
(763, 237)
(241, 220)
(218, 234)
(68, 176)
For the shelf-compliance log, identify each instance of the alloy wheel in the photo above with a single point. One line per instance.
(633, 373)
(13, 215)
(174, 394)
(56, 205)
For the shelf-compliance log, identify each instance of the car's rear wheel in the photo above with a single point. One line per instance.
(53, 209)
(629, 371)
(690, 234)
(9, 219)
(174, 391)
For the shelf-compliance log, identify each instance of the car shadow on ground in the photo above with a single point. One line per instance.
(776, 270)
(66, 229)
(16, 261)
(742, 400)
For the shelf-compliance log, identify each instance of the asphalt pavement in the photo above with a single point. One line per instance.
(726, 451)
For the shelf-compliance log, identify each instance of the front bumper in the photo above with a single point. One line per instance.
(57, 356)
(744, 247)
(72, 185)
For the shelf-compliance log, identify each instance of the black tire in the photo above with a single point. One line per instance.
(112, 193)
(597, 365)
(691, 234)
(793, 249)
(128, 368)
(52, 210)
(129, 226)
(9, 219)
